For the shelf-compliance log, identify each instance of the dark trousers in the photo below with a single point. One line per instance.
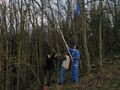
(48, 76)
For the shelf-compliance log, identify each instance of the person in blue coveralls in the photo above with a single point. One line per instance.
(75, 62)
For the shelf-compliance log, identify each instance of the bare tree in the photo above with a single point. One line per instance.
(85, 36)
(100, 34)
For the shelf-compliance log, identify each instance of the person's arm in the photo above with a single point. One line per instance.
(77, 55)
(63, 58)
(70, 49)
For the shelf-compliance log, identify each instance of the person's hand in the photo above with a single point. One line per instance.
(66, 45)
(72, 60)
(59, 54)
(56, 55)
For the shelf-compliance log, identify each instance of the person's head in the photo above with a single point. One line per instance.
(68, 54)
(75, 47)
(49, 56)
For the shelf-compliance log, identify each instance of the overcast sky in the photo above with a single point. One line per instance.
(3, 0)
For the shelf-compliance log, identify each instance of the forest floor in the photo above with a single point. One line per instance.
(107, 79)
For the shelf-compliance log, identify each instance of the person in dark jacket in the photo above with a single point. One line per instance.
(49, 62)
(49, 67)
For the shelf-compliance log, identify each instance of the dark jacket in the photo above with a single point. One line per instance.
(50, 63)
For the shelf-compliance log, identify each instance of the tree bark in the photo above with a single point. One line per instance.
(100, 36)
(85, 38)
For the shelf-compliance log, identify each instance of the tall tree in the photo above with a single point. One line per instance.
(84, 28)
(100, 33)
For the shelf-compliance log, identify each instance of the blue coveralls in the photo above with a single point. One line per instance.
(74, 65)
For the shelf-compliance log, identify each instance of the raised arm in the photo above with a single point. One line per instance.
(70, 49)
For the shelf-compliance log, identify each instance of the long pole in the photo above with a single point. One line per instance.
(65, 44)
(59, 30)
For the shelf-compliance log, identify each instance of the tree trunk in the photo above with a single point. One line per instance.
(100, 36)
(85, 38)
